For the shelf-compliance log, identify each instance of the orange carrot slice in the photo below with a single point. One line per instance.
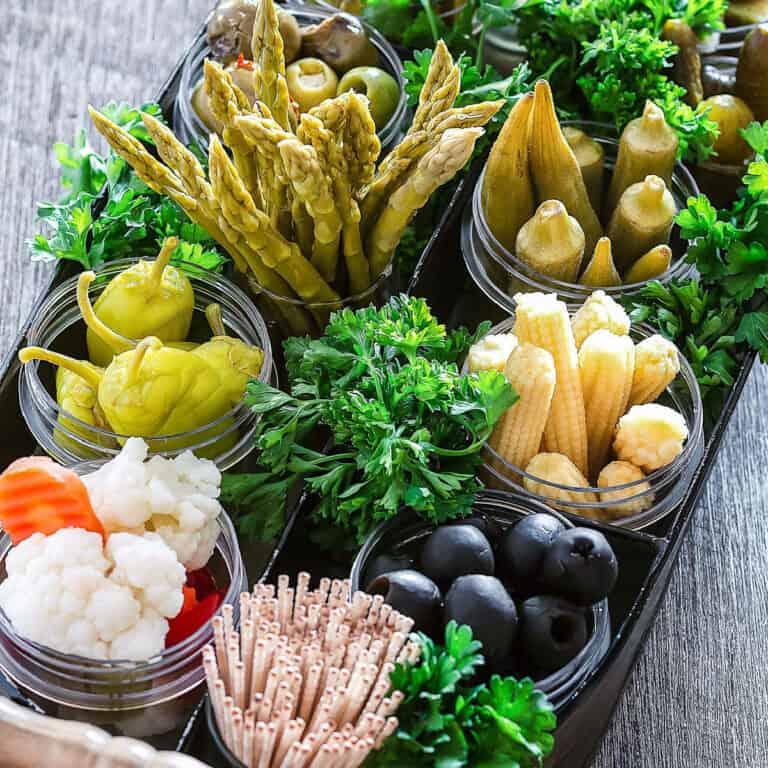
(39, 496)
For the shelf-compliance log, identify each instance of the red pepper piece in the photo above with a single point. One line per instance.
(194, 614)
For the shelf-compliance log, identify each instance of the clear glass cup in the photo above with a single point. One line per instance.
(732, 38)
(500, 274)
(668, 485)
(405, 531)
(59, 326)
(190, 128)
(143, 699)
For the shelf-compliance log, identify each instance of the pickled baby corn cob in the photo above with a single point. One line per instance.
(542, 320)
(491, 352)
(599, 311)
(555, 170)
(559, 469)
(607, 364)
(507, 192)
(531, 372)
(622, 503)
(650, 436)
(552, 242)
(657, 363)
(654, 263)
(601, 271)
(436, 167)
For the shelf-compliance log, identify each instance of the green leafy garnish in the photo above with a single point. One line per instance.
(135, 219)
(407, 426)
(444, 720)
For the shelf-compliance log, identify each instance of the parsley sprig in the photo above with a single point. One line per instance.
(445, 720)
(407, 427)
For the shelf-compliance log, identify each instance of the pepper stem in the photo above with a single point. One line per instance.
(215, 319)
(79, 367)
(151, 342)
(113, 340)
(161, 262)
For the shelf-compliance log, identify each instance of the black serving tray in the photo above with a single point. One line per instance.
(647, 558)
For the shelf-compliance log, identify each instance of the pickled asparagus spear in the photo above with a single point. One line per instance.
(437, 167)
(556, 173)
(507, 192)
(601, 271)
(647, 146)
(542, 320)
(531, 372)
(440, 89)
(269, 66)
(551, 242)
(274, 250)
(361, 144)
(652, 264)
(313, 188)
(607, 365)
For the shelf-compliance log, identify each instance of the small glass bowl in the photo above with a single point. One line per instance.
(190, 128)
(59, 326)
(140, 699)
(505, 509)
(732, 38)
(291, 316)
(668, 485)
(500, 274)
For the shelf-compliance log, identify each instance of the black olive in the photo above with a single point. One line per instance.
(451, 551)
(580, 565)
(482, 603)
(412, 594)
(386, 564)
(552, 632)
(486, 525)
(523, 547)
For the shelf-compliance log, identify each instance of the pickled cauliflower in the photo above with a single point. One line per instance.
(650, 436)
(623, 473)
(72, 593)
(175, 498)
(491, 352)
(599, 311)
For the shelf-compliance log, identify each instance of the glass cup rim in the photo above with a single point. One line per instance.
(75, 663)
(200, 50)
(30, 371)
(508, 503)
(606, 134)
(659, 476)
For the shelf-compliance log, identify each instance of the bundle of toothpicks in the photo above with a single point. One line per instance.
(305, 682)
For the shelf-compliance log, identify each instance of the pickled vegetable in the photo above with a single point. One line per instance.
(552, 242)
(555, 170)
(686, 67)
(716, 80)
(340, 43)
(310, 82)
(741, 13)
(648, 146)
(147, 299)
(651, 265)
(751, 80)
(643, 219)
(731, 115)
(601, 271)
(591, 158)
(507, 193)
(378, 86)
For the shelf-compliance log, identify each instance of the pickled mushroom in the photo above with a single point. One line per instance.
(340, 43)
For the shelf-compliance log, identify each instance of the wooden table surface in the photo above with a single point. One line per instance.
(699, 695)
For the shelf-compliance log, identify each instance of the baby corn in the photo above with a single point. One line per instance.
(543, 321)
(599, 311)
(559, 469)
(622, 503)
(491, 352)
(657, 363)
(607, 364)
(650, 436)
(531, 372)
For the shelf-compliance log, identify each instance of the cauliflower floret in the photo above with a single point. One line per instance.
(621, 473)
(175, 498)
(599, 311)
(650, 436)
(72, 593)
(491, 352)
